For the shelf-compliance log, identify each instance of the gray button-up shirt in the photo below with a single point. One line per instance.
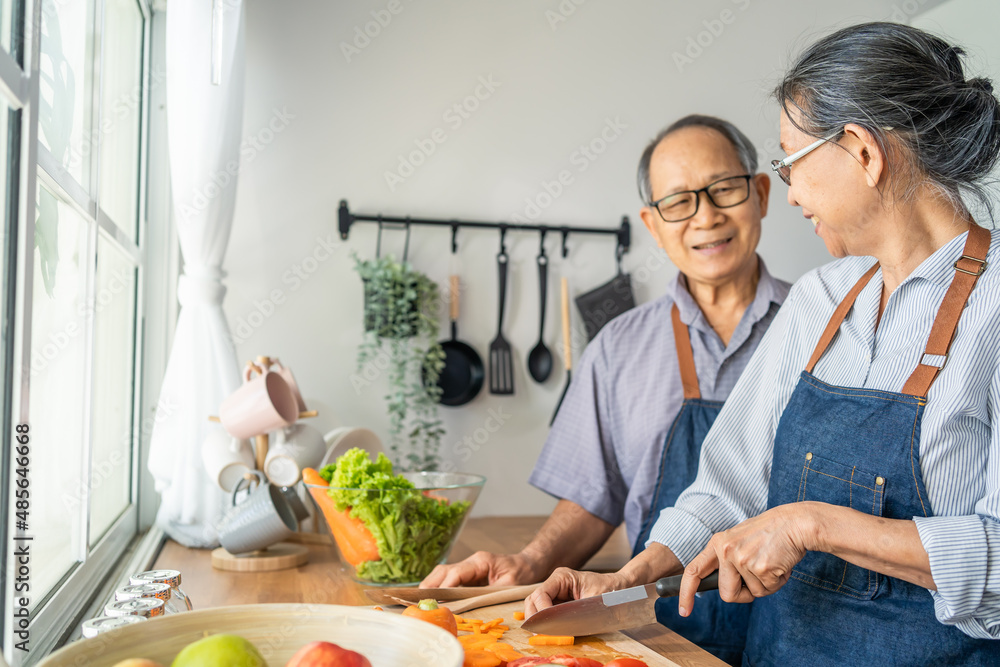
(603, 452)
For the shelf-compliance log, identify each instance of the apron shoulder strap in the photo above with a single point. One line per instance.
(968, 268)
(838, 317)
(685, 357)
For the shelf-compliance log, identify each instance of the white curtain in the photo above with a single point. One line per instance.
(204, 126)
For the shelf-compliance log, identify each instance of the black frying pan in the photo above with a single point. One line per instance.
(463, 374)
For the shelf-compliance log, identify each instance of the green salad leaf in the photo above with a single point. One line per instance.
(412, 530)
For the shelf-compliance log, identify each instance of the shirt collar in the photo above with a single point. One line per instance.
(769, 290)
(939, 268)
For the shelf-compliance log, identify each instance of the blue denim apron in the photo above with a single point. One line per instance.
(860, 448)
(716, 626)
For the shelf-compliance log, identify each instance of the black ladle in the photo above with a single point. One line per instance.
(540, 357)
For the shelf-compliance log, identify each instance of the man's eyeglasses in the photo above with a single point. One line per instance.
(724, 193)
(783, 168)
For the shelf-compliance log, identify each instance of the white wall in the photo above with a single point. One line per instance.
(329, 126)
(971, 24)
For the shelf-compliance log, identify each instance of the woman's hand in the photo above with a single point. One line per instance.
(565, 584)
(754, 558)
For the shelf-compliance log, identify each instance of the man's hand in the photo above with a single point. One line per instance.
(483, 568)
(566, 584)
(570, 536)
(654, 562)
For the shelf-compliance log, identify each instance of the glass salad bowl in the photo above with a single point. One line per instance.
(396, 536)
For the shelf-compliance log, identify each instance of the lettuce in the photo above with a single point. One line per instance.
(412, 530)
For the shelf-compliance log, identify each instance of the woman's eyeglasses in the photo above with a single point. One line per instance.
(783, 168)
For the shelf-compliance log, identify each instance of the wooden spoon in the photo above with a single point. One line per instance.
(489, 599)
(457, 599)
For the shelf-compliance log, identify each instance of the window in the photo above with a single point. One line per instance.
(75, 290)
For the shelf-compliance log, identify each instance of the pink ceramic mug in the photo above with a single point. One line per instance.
(286, 373)
(261, 405)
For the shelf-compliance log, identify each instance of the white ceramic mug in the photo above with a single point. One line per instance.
(260, 405)
(295, 447)
(262, 519)
(286, 373)
(226, 459)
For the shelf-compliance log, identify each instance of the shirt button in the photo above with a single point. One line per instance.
(879, 481)
(809, 456)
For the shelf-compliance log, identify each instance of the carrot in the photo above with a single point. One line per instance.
(355, 541)
(476, 642)
(503, 651)
(429, 611)
(551, 640)
(518, 615)
(480, 658)
(492, 624)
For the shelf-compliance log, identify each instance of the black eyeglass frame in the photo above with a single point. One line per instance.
(697, 199)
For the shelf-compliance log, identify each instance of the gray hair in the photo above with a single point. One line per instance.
(744, 147)
(908, 88)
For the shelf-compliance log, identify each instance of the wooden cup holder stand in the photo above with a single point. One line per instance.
(280, 556)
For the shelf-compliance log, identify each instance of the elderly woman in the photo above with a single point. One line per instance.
(850, 486)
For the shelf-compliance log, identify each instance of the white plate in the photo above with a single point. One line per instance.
(339, 440)
(278, 631)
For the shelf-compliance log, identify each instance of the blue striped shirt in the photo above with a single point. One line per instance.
(959, 435)
(603, 452)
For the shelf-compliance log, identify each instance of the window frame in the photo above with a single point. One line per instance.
(58, 613)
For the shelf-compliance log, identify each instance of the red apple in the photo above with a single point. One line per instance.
(325, 654)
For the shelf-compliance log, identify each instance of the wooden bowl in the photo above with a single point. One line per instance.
(278, 631)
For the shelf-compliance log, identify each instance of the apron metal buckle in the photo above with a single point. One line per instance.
(935, 360)
(981, 262)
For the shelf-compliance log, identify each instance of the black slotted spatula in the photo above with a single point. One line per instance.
(501, 360)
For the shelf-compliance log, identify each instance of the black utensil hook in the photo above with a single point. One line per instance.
(503, 244)
(378, 238)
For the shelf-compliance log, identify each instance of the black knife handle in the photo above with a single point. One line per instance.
(671, 586)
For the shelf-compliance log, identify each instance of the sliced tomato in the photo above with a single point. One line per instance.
(561, 659)
(626, 662)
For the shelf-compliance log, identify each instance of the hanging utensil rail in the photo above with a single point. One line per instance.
(623, 232)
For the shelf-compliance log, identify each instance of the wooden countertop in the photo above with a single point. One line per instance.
(324, 581)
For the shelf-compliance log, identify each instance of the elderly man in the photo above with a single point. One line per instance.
(627, 438)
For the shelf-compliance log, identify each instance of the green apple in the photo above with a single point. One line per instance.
(220, 651)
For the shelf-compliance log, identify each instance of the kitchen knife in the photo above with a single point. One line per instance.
(617, 610)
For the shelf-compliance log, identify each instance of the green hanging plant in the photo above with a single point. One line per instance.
(401, 321)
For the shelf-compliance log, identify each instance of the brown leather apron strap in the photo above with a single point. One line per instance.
(968, 268)
(685, 357)
(838, 317)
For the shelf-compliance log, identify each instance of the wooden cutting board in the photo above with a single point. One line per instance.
(604, 647)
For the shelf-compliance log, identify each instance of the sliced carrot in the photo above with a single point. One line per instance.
(518, 615)
(503, 651)
(551, 640)
(492, 624)
(355, 541)
(479, 658)
(473, 642)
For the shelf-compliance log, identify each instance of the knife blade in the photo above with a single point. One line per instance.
(616, 610)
